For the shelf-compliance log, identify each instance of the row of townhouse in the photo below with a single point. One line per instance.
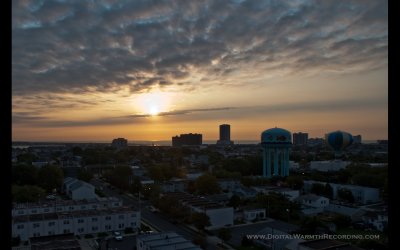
(76, 222)
(60, 206)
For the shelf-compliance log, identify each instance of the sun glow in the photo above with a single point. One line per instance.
(153, 103)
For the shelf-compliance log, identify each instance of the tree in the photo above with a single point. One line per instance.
(136, 185)
(23, 174)
(328, 191)
(317, 188)
(207, 184)
(50, 177)
(345, 195)
(84, 175)
(295, 182)
(234, 201)
(27, 193)
(225, 234)
(200, 220)
(119, 176)
(201, 241)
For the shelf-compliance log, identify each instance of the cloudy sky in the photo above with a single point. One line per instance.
(148, 69)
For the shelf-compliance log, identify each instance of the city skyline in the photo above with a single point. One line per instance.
(84, 71)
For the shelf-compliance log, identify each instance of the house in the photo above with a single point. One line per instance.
(313, 200)
(78, 190)
(363, 195)
(377, 220)
(164, 240)
(220, 215)
(353, 212)
(254, 214)
(291, 194)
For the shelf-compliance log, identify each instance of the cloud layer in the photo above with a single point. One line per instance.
(89, 46)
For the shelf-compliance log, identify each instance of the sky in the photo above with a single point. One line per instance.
(149, 70)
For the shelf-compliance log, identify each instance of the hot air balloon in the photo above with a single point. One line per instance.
(338, 140)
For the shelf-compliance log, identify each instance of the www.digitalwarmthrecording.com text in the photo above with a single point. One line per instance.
(312, 236)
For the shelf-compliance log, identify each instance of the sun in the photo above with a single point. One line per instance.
(153, 103)
(153, 111)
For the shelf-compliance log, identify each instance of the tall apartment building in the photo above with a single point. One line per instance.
(187, 140)
(224, 135)
(77, 217)
(300, 138)
(120, 143)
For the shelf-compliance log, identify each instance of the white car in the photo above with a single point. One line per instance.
(118, 236)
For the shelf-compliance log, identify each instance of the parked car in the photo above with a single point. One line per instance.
(118, 236)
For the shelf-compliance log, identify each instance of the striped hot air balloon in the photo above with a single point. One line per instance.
(338, 140)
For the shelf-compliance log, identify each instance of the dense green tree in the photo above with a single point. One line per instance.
(234, 201)
(345, 194)
(151, 191)
(207, 184)
(27, 193)
(84, 175)
(27, 158)
(119, 176)
(341, 221)
(295, 182)
(200, 220)
(136, 185)
(50, 177)
(24, 174)
(224, 234)
(328, 191)
(317, 188)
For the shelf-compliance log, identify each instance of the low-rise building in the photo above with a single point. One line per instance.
(78, 190)
(164, 241)
(291, 194)
(220, 216)
(363, 195)
(325, 166)
(254, 214)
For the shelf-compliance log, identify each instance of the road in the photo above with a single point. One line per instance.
(156, 220)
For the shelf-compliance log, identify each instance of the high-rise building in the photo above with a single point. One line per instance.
(300, 138)
(357, 139)
(225, 134)
(120, 143)
(187, 140)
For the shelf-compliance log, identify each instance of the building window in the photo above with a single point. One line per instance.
(80, 230)
(71, 208)
(66, 231)
(133, 224)
(133, 215)
(20, 212)
(50, 233)
(94, 219)
(94, 228)
(80, 220)
(66, 222)
(36, 234)
(46, 210)
(121, 225)
(34, 211)
(108, 217)
(121, 217)
(36, 225)
(108, 227)
(20, 226)
(59, 208)
(52, 223)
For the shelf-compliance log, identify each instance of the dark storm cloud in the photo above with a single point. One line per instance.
(77, 46)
